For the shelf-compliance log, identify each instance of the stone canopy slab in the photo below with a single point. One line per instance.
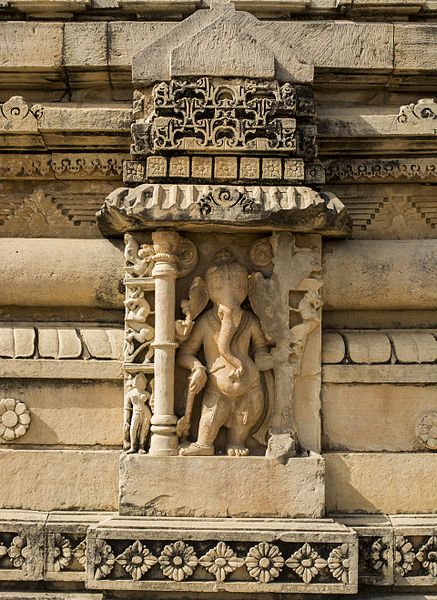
(220, 42)
(227, 208)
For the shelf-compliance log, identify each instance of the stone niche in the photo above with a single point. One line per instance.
(222, 227)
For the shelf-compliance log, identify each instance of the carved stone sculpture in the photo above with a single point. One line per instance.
(233, 395)
(137, 414)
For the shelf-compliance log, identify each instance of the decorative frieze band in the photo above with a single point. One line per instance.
(422, 170)
(223, 168)
(323, 556)
(62, 166)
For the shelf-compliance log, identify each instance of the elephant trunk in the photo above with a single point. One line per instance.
(228, 328)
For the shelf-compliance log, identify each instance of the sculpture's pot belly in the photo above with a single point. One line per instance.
(231, 383)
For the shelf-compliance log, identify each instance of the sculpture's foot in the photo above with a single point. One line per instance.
(141, 451)
(197, 450)
(131, 450)
(237, 450)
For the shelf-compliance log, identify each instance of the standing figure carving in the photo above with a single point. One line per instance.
(229, 337)
(137, 414)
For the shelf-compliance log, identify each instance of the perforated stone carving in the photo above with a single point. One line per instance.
(205, 115)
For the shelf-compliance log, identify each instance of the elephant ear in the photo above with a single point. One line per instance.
(197, 299)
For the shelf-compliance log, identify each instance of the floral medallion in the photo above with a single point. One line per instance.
(18, 551)
(63, 554)
(136, 560)
(79, 553)
(307, 563)
(14, 419)
(404, 556)
(427, 555)
(264, 562)
(379, 553)
(220, 561)
(104, 559)
(178, 561)
(339, 563)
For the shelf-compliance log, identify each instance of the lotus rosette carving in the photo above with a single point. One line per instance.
(221, 561)
(427, 555)
(339, 563)
(136, 560)
(18, 551)
(62, 552)
(178, 561)
(264, 562)
(307, 563)
(404, 556)
(104, 560)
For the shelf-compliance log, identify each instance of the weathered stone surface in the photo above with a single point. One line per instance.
(37, 480)
(360, 418)
(221, 487)
(392, 275)
(202, 30)
(414, 47)
(68, 273)
(75, 413)
(358, 482)
(31, 44)
(85, 44)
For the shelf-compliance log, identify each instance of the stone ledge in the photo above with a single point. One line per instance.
(401, 374)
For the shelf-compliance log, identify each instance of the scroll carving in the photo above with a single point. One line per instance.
(203, 114)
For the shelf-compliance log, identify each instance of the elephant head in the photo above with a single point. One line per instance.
(227, 285)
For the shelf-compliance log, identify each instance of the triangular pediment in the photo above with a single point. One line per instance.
(219, 42)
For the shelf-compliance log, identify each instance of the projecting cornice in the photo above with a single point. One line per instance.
(227, 208)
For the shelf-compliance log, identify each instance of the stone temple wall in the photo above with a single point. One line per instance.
(162, 434)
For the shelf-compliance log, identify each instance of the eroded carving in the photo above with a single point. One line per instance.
(426, 431)
(288, 306)
(233, 395)
(424, 112)
(17, 115)
(139, 257)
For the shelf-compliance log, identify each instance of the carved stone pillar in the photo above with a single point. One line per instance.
(163, 440)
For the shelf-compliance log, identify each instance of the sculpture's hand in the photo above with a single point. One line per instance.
(198, 379)
(263, 359)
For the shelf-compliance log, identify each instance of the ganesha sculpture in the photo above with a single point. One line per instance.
(235, 350)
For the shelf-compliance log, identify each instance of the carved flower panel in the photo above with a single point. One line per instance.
(182, 562)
